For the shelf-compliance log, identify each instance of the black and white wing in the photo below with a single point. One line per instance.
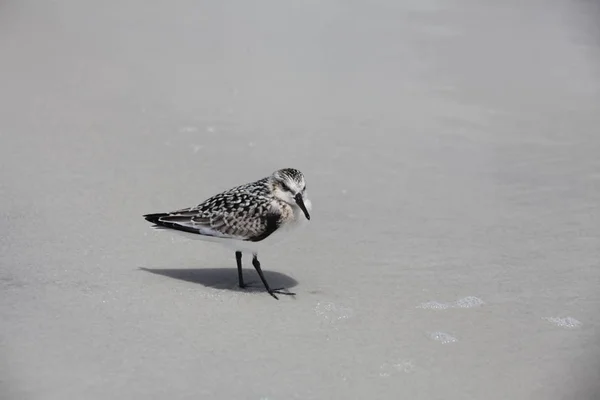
(239, 213)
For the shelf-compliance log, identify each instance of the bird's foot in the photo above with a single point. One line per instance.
(246, 285)
(281, 291)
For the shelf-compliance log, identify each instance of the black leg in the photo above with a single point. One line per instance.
(238, 258)
(272, 292)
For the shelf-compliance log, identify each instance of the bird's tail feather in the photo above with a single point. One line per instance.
(154, 217)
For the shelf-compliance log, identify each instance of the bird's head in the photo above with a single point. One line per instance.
(289, 186)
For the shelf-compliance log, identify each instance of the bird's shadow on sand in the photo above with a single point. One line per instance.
(226, 278)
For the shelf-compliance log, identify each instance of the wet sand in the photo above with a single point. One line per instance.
(451, 151)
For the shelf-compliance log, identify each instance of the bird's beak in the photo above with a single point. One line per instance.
(300, 202)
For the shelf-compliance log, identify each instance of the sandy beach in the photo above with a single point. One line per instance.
(451, 151)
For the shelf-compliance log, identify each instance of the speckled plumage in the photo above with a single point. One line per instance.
(248, 212)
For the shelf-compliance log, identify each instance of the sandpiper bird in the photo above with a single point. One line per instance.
(245, 217)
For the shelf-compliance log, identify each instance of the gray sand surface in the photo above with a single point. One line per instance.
(452, 154)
